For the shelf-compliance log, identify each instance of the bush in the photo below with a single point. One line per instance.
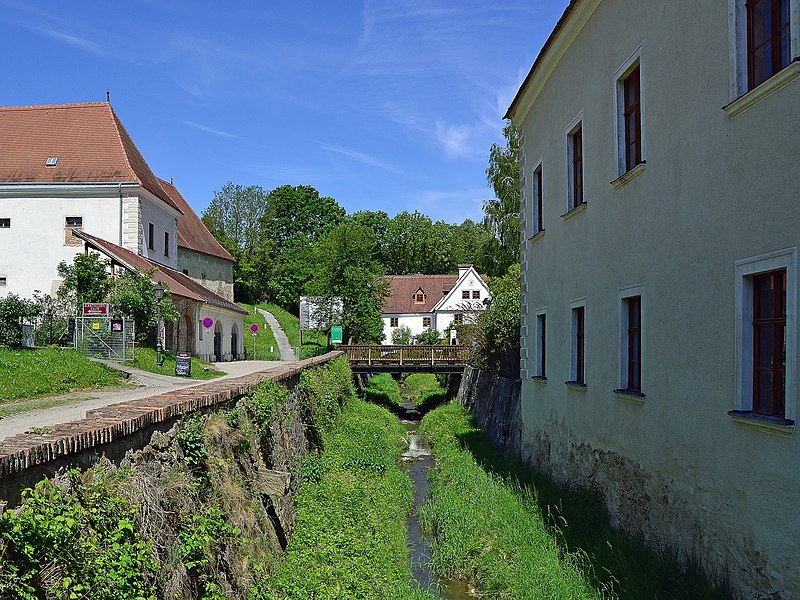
(429, 337)
(497, 330)
(13, 310)
(402, 336)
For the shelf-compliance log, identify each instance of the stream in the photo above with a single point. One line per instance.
(417, 461)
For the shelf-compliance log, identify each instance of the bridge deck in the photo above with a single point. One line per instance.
(392, 359)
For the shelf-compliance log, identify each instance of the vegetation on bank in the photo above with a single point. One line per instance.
(26, 373)
(424, 390)
(144, 358)
(182, 518)
(314, 342)
(515, 533)
(383, 389)
(266, 345)
(350, 536)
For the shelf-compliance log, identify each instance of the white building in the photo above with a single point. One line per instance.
(422, 302)
(661, 200)
(67, 168)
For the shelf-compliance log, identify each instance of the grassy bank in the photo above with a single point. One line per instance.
(145, 359)
(382, 389)
(350, 536)
(314, 342)
(29, 373)
(266, 346)
(515, 532)
(424, 390)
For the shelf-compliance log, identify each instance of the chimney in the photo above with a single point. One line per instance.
(463, 269)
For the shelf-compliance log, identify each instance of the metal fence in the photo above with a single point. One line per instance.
(104, 337)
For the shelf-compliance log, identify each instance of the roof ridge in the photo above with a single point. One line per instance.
(117, 124)
(52, 106)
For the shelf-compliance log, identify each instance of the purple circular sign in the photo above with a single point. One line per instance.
(254, 328)
(208, 322)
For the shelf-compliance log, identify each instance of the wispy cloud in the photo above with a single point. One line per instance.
(358, 156)
(451, 206)
(69, 39)
(208, 129)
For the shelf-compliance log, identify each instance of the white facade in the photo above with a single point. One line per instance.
(38, 238)
(683, 461)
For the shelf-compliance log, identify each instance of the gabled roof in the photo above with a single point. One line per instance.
(192, 234)
(402, 289)
(466, 273)
(177, 283)
(90, 142)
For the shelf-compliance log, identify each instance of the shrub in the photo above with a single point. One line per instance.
(402, 336)
(13, 310)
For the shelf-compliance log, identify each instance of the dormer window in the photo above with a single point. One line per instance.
(419, 297)
(52, 161)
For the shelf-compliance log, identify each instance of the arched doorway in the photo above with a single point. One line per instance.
(234, 342)
(185, 334)
(217, 342)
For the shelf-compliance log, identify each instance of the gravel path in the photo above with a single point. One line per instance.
(286, 349)
(76, 404)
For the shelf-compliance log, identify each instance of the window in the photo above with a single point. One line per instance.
(458, 318)
(393, 321)
(419, 297)
(766, 337)
(200, 330)
(578, 353)
(426, 322)
(632, 118)
(633, 345)
(476, 294)
(541, 344)
(768, 39)
(166, 243)
(575, 156)
(71, 223)
(769, 343)
(151, 235)
(186, 271)
(5, 223)
(465, 294)
(3, 281)
(537, 200)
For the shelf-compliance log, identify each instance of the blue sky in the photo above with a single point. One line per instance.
(383, 105)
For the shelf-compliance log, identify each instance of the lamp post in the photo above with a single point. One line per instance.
(159, 297)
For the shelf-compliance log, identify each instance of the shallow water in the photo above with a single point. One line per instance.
(418, 461)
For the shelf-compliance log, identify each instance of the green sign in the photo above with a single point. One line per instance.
(336, 334)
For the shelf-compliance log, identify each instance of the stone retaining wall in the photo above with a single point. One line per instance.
(114, 429)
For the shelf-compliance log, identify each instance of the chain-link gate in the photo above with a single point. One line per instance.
(105, 337)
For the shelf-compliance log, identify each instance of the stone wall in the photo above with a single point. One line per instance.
(115, 429)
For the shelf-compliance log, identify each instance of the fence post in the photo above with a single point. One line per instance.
(431, 355)
(369, 356)
(401, 356)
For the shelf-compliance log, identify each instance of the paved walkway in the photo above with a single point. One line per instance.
(74, 406)
(285, 348)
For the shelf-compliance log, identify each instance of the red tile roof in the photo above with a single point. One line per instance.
(402, 290)
(177, 283)
(192, 234)
(90, 142)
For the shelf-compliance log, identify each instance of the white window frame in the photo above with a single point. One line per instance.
(745, 269)
(573, 332)
(622, 376)
(737, 51)
(569, 130)
(541, 342)
(619, 122)
(536, 227)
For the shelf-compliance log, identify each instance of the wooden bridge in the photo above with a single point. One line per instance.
(406, 359)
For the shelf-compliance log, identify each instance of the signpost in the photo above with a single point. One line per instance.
(336, 334)
(254, 329)
(95, 309)
(183, 364)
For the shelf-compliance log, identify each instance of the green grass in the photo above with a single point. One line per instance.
(424, 389)
(383, 389)
(314, 342)
(145, 359)
(30, 373)
(349, 539)
(503, 525)
(265, 339)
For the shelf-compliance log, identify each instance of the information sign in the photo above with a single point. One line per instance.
(117, 325)
(254, 328)
(95, 309)
(183, 364)
(208, 322)
(336, 334)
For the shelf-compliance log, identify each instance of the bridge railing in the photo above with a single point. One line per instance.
(406, 355)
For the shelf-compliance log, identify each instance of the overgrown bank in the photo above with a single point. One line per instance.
(203, 511)
(516, 534)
